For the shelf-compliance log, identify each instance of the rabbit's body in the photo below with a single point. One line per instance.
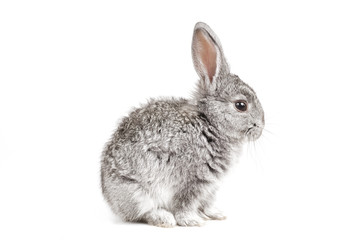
(164, 161)
(159, 150)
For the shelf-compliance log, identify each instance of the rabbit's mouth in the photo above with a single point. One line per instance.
(253, 133)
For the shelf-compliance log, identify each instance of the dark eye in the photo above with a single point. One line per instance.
(241, 105)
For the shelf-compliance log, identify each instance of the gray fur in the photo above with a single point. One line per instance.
(163, 163)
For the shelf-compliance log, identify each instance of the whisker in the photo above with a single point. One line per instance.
(255, 158)
(253, 153)
(247, 149)
(265, 137)
(264, 129)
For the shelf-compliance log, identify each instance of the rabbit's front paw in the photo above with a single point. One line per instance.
(160, 218)
(188, 219)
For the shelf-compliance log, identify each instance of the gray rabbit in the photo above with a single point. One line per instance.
(163, 164)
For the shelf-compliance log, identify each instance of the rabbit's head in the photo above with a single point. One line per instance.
(226, 101)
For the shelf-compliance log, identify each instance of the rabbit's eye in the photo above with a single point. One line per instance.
(241, 105)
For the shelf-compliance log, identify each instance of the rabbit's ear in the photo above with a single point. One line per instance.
(207, 54)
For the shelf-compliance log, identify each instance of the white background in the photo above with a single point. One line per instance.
(70, 69)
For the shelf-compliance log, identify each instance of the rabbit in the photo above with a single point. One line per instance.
(164, 162)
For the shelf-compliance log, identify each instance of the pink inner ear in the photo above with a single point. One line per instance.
(207, 52)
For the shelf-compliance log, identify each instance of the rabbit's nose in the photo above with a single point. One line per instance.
(258, 124)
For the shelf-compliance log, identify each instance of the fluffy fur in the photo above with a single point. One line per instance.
(163, 163)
